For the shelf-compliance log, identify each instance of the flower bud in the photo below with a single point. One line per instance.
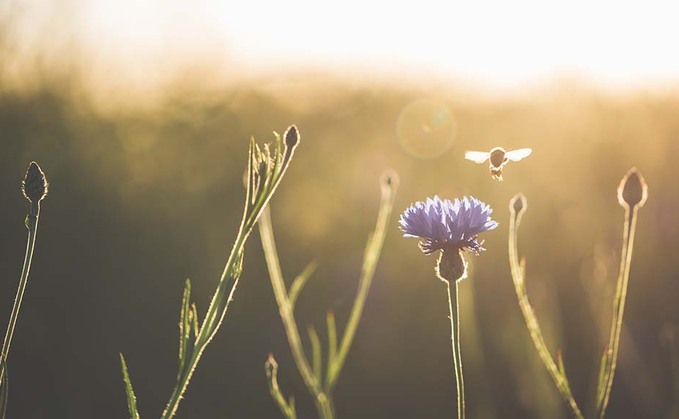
(517, 206)
(389, 179)
(291, 136)
(451, 267)
(633, 190)
(271, 367)
(34, 186)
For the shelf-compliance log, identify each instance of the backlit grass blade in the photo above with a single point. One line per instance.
(129, 391)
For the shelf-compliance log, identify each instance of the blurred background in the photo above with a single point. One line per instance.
(140, 115)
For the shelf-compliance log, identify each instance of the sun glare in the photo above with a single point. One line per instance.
(495, 43)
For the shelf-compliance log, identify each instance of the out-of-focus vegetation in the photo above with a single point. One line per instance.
(146, 191)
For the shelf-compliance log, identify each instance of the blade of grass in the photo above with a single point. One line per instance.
(129, 391)
(184, 327)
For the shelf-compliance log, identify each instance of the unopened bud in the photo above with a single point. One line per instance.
(291, 136)
(271, 367)
(633, 190)
(34, 186)
(389, 179)
(517, 206)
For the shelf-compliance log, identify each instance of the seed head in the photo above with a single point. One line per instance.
(633, 190)
(34, 186)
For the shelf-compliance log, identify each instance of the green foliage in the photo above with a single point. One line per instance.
(287, 406)
(129, 391)
(518, 271)
(632, 194)
(265, 170)
(319, 386)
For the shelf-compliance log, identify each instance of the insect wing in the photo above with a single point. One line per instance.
(516, 155)
(477, 156)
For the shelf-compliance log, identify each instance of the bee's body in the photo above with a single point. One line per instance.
(497, 158)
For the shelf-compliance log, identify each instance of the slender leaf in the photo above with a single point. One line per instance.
(603, 373)
(332, 346)
(371, 255)
(559, 363)
(129, 391)
(271, 369)
(184, 324)
(193, 319)
(300, 281)
(315, 352)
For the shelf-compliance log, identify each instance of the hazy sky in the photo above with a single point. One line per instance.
(490, 42)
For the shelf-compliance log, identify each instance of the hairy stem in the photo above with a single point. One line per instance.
(32, 225)
(518, 277)
(321, 399)
(611, 355)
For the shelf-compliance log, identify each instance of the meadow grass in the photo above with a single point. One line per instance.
(319, 378)
(194, 333)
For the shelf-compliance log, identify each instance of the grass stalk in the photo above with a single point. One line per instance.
(518, 276)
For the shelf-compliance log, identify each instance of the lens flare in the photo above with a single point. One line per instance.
(426, 128)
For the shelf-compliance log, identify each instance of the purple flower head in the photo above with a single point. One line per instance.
(442, 224)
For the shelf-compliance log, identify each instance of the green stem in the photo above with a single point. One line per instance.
(454, 308)
(323, 402)
(518, 277)
(618, 310)
(210, 325)
(371, 256)
(260, 196)
(32, 224)
(287, 408)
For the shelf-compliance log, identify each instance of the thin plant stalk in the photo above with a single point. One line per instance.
(287, 407)
(32, 224)
(518, 272)
(321, 390)
(371, 256)
(34, 189)
(454, 307)
(611, 354)
(632, 194)
(264, 174)
(324, 404)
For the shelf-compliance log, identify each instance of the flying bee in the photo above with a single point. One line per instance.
(498, 158)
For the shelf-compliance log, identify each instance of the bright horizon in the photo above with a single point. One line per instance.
(487, 43)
